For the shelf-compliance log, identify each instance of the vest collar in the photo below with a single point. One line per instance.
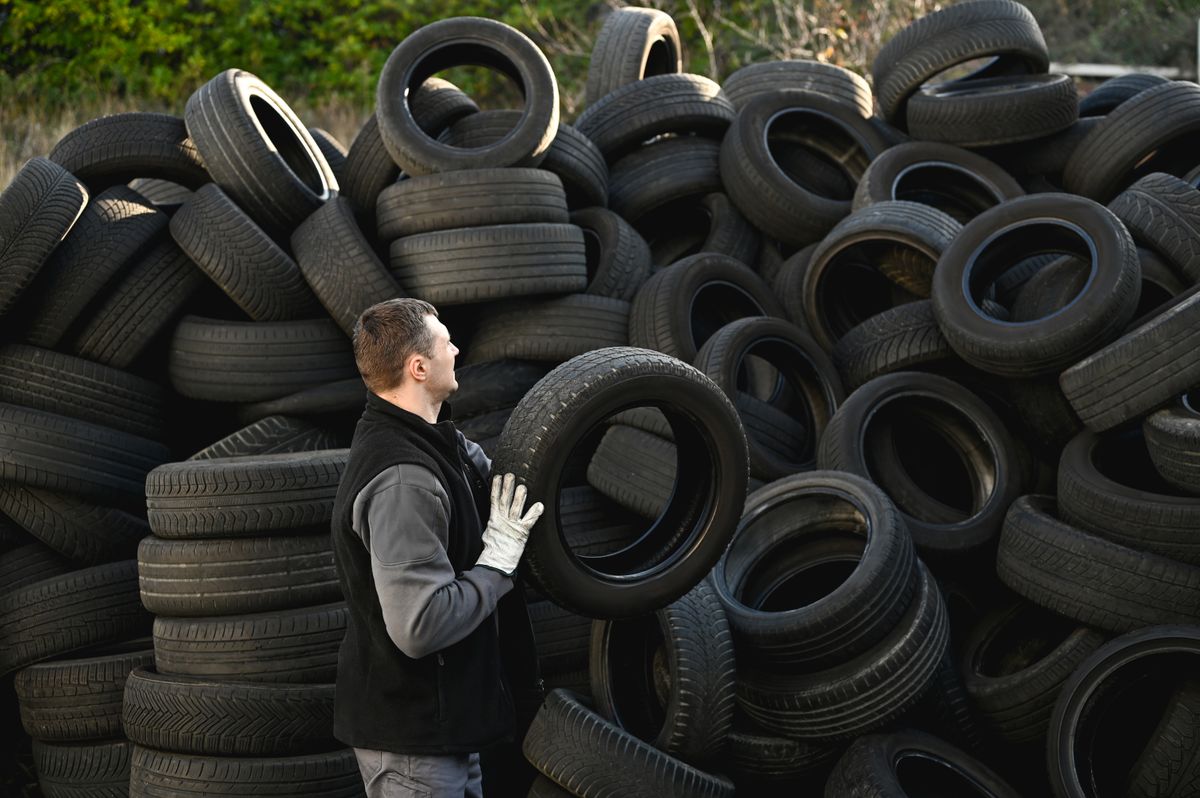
(442, 434)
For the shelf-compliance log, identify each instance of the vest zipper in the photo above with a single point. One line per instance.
(439, 711)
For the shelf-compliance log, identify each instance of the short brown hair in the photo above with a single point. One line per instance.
(386, 335)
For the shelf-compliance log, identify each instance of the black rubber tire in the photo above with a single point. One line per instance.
(881, 766)
(1107, 485)
(485, 387)
(993, 111)
(569, 404)
(37, 210)
(334, 151)
(1002, 29)
(561, 637)
(273, 435)
(938, 406)
(896, 244)
(634, 468)
(594, 524)
(804, 371)
(328, 402)
(71, 386)
(661, 173)
(51, 451)
(83, 770)
(682, 305)
(234, 361)
(762, 763)
(766, 77)
(188, 578)
(118, 148)
(166, 774)
(66, 613)
(1039, 164)
(782, 202)
(904, 338)
(692, 225)
(297, 646)
(1095, 581)
(241, 258)
(1160, 283)
(862, 693)
(29, 562)
(192, 715)
(79, 698)
(1015, 663)
(244, 496)
(452, 42)
(551, 330)
(1036, 224)
(587, 755)
(1173, 440)
(80, 530)
(1148, 133)
(340, 265)
(669, 103)
(632, 45)
(129, 317)
(668, 679)
(1105, 98)
(807, 522)
(258, 150)
(470, 198)
(957, 182)
(543, 787)
(1076, 749)
(482, 264)
(618, 258)
(1163, 212)
(111, 231)
(1140, 371)
(1168, 765)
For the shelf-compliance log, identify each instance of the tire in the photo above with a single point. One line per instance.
(497, 385)
(80, 530)
(231, 361)
(1144, 134)
(1052, 343)
(190, 715)
(66, 613)
(272, 435)
(669, 103)
(991, 111)
(861, 694)
(634, 468)
(885, 765)
(1160, 283)
(114, 227)
(804, 371)
(334, 151)
(766, 77)
(632, 45)
(784, 202)
(1014, 664)
(329, 402)
(166, 774)
(661, 173)
(593, 524)
(904, 338)
(231, 576)
(570, 403)
(909, 238)
(298, 646)
(244, 496)
(31, 562)
(465, 40)
(618, 258)
(1163, 212)
(758, 760)
(682, 305)
(91, 770)
(955, 181)
(552, 330)
(340, 265)
(561, 636)
(1001, 29)
(118, 148)
(1105, 98)
(929, 405)
(693, 225)
(1107, 486)
(587, 755)
(1168, 764)
(241, 258)
(1096, 582)
(1039, 164)
(668, 679)
(482, 264)
(1173, 440)
(37, 210)
(79, 698)
(470, 198)
(258, 150)
(784, 615)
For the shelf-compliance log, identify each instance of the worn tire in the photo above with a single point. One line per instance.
(632, 45)
(118, 148)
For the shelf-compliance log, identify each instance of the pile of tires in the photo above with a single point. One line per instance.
(862, 413)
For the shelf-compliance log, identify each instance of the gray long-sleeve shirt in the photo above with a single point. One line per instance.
(403, 517)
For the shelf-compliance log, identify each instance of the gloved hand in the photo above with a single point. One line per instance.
(506, 532)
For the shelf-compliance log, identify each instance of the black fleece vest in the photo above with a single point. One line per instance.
(452, 701)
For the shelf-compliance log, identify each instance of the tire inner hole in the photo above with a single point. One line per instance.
(949, 188)
(817, 152)
(675, 230)
(640, 674)
(662, 59)
(922, 775)
(1025, 636)
(1123, 457)
(1021, 243)
(866, 278)
(288, 144)
(717, 303)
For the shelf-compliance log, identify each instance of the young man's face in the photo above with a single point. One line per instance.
(441, 381)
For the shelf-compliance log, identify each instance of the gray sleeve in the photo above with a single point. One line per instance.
(478, 457)
(403, 517)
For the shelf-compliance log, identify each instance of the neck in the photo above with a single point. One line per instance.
(414, 401)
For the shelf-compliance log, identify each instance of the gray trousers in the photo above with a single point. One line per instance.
(388, 775)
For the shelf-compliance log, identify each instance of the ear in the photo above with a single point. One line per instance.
(416, 367)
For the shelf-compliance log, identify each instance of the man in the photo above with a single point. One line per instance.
(420, 683)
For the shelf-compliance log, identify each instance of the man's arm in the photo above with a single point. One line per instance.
(403, 517)
(478, 456)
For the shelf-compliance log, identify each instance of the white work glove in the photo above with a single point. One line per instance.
(506, 532)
